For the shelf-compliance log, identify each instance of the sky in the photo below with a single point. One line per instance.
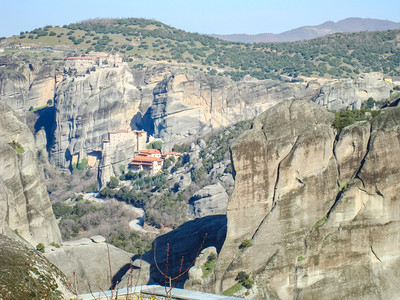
(202, 16)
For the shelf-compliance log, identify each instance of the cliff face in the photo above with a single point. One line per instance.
(323, 208)
(176, 106)
(188, 104)
(25, 82)
(87, 108)
(24, 202)
(350, 93)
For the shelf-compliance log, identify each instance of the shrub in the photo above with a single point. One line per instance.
(40, 247)
(300, 258)
(155, 145)
(244, 279)
(55, 244)
(113, 182)
(245, 244)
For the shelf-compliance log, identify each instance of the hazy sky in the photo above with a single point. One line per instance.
(204, 16)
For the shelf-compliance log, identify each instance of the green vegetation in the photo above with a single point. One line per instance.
(80, 165)
(319, 223)
(245, 244)
(111, 219)
(155, 145)
(17, 147)
(244, 279)
(232, 290)
(336, 55)
(40, 247)
(348, 117)
(300, 258)
(208, 266)
(114, 182)
(345, 185)
(54, 244)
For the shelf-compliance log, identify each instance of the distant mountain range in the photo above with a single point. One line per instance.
(310, 32)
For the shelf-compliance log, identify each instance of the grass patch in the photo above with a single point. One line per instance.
(209, 265)
(232, 290)
(17, 147)
(319, 222)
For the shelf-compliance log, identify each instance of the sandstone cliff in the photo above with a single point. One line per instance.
(26, 82)
(186, 104)
(351, 93)
(24, 202)
(320, 209)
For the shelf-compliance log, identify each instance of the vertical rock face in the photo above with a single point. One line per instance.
(24, 85)
(186, 104)
(88, 107)
(24, 202)
(321, 211)
(350, 93)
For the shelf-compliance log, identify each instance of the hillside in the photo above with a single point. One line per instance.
(144, 41)
(311, 32)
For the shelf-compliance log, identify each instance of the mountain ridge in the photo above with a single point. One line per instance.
(313, 31)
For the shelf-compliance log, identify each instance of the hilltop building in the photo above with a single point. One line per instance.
(80, 65)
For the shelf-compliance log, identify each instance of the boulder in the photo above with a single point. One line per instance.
(210, 200)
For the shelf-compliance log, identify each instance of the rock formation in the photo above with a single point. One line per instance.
(210, 200)
(26, 82)
(351, 93)
(177, 250)
(90, 260)
(188, 103)
(26, 274)
(319, 208)
(24, 202)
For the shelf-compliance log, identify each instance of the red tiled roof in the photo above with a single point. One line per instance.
(146, 159)
(80, 57)
(106, 141)
(148, 151)
(170, 153)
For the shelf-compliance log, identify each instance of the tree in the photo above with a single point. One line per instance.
(113, 182)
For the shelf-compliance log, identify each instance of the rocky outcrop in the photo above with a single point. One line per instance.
(88, 262)
(88, 107)
(24, 202)
(320, 210)
(351, 93)
(27, 82)
(210, 200)
(26, 274)
(188, 103)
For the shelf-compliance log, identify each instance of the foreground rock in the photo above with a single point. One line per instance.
(321, 211)
(26, 274)
(25, 207)
(88, 262)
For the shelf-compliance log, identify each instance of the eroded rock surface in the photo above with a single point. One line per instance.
(24, 201)
(210, 200)
(321, 211)
(351, 93)
(88, 262)
(26, 274)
